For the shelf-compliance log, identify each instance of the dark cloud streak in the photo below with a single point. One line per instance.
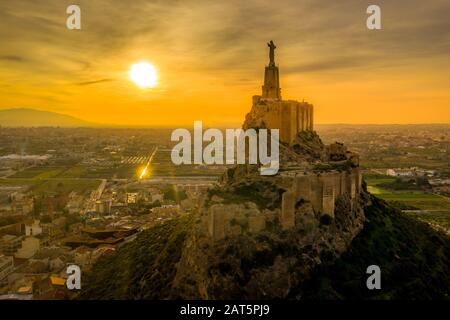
(87, 83)
(12, 58)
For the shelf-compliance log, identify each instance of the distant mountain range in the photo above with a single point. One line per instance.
(26, 117)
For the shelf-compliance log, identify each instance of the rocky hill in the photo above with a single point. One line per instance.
(310, 231)
(249, 240)
(414, 260)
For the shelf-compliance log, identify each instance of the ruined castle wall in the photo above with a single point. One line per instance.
(294, 116)
(286, 124)
(305, 117)
(337, 184)
(358, 180)
(270, 114)
(321, 190)
(351, 185)
(303, 187)
(287, 218)
(343, 182)
(224, 220)
(299, 119)
(218, 222)
(316, 193)
(328, 195)
(289, 116)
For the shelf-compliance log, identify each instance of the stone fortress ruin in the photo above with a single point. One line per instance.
(321, 190)
(252, 229)
(300, 179)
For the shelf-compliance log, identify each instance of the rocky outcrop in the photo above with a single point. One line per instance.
(245, 251)
(258, 237)
(414, 259)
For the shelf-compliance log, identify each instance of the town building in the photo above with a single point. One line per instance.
(33, 228)
(6, 267)
(9, 244)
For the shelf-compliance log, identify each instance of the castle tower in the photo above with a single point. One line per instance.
(270, 111)
(271, 88)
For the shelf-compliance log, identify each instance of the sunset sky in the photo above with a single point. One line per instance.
(210, 58)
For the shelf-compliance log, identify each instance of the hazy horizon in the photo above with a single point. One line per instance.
(90, 124)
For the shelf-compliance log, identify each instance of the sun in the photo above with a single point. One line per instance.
(144, 74)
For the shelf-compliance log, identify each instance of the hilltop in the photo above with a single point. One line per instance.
(310, 231)
(27, 117)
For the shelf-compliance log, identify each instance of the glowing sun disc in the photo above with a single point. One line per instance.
(144, 75)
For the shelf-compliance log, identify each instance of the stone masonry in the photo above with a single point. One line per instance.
(270, 111)
(321, 190)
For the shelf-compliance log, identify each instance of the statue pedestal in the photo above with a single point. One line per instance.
(271, 88)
